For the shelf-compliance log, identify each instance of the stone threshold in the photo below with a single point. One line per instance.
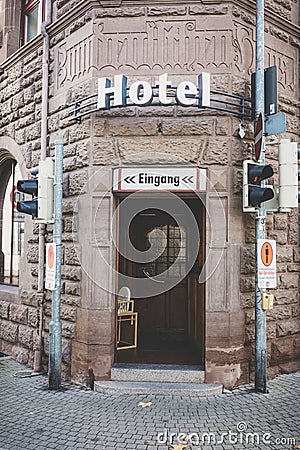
(164, 373)
(158, 388)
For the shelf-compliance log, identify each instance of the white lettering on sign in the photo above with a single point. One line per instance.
(160, 179)
(141, 93)
(162, 93)
(186, 93)
(106, 91)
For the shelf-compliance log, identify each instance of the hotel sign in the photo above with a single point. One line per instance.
(141, 93)
(172, 179)
(116, 92)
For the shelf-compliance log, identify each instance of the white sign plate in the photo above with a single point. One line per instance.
(266, 263)
(50, 266)
(129, 179)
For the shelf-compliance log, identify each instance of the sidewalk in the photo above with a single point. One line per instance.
(32, 417)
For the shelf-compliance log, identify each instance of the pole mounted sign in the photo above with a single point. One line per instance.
(266, 263)
(258, 136)
(172, 179)
(50, 266)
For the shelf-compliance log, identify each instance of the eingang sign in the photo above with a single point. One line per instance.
(141, 93)
(172, 179)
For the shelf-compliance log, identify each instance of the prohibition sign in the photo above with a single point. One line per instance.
(50, 256)
(266, 254)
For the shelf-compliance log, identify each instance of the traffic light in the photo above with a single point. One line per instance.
(270, 90)
(288, 174)
(46, 191)
(41, 189)
(253, 193)
(28, 206)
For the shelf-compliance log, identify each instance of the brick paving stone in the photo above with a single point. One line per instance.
(32, 417)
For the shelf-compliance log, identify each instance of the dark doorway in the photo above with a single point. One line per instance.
(171, 322)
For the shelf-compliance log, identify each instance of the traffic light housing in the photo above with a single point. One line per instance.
(28, 206)
(270, 90)
(253, 193)
(46, 191)
(41, 188)
(288, 174)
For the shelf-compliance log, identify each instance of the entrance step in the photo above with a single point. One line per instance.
(158, 388)
(163, 373)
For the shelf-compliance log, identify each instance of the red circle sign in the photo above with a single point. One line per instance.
(50, 257)
(266, 254)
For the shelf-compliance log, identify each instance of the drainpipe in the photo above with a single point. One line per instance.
(44, 132)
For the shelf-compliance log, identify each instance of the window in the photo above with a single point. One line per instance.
(31, 19)
(168, 243)
(11, 221)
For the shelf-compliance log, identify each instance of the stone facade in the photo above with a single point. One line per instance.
(142, 40)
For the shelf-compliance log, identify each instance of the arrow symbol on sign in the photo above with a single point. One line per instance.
(187, 179)
(130, 179)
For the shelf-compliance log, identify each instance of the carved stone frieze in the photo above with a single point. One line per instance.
(243, 47)
(164, 44)
(204, 43)
(276, 53)
(285, 68)
(200, 43)
(74, 59)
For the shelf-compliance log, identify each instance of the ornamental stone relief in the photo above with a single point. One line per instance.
(74, 61)
(243, 47)
(181, 45)
(164, 44)
(206, 43)
(285, 68)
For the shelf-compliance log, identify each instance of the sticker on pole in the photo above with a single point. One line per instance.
(50, 266)
(258, 136)
(266, 263)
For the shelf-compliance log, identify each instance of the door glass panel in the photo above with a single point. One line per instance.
(168, 244)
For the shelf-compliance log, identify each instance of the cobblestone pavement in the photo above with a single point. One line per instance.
(32, 417)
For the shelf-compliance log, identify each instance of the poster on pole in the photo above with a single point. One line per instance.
(266, 263)
(50, 266)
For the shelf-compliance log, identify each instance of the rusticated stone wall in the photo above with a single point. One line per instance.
(143, 40)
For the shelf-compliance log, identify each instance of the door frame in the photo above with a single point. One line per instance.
(201, 288)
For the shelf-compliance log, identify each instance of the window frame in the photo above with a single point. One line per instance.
(10, 273)
(27, 7)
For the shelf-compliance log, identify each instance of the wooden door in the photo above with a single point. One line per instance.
(170, 323)
(167, 310)
(196, 291)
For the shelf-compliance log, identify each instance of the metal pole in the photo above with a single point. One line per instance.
(55, 343)
(42, 227)
(260, 222)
